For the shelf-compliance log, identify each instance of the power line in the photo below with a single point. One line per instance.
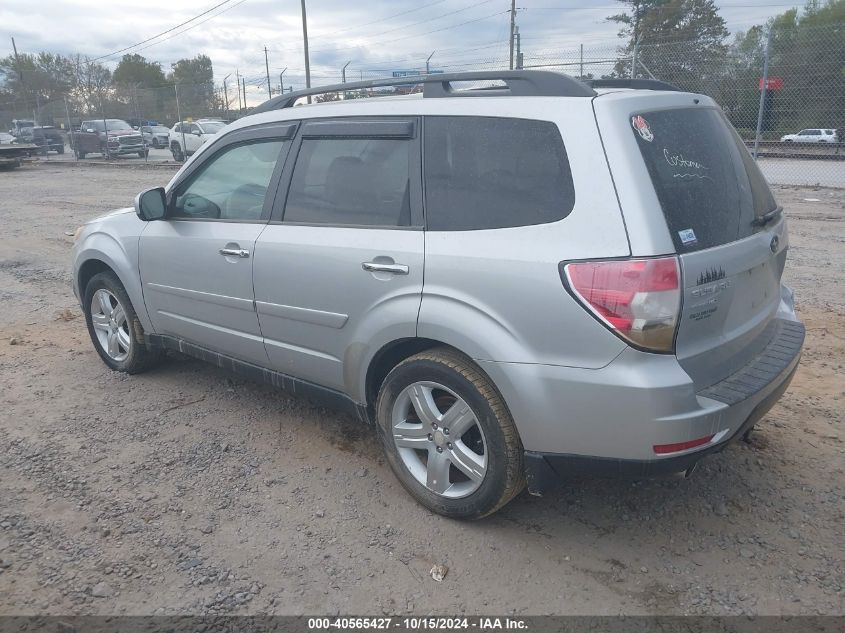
(390, 17)
(193, 26)
(163, 32)
(398, 28)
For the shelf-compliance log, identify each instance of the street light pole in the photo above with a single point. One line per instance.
(427, 67)
(267, 68)
(226, 95)
(513, 24)
(238, 90)
(282, 81)
(343, 71)
(305, 46)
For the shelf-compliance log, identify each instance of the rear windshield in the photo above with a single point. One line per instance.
(709, 187)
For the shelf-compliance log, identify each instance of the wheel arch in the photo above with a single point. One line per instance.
(393, 353)
(103, 253)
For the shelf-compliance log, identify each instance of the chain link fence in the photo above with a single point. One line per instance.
(794, 120)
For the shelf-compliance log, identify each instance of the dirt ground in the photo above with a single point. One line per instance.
(186, 490)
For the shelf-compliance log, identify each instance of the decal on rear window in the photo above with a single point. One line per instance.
(688, 237)
(642, 128)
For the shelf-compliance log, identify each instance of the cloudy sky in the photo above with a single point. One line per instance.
(376, 37)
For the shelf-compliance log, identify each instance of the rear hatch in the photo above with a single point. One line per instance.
(725, 226)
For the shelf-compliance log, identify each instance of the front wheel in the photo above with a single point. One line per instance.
(114, 327)
(448, 435)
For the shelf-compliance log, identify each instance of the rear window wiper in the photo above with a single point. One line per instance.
(763, 220)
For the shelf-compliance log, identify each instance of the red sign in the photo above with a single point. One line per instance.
(772, 83)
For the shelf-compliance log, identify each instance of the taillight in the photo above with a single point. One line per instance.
(639, 299)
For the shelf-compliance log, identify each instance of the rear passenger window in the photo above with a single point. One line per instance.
(351, 181)
(490, 173)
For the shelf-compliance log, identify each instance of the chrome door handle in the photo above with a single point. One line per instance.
(234, 252)
(375, 267)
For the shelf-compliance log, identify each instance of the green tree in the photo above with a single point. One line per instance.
(135, 70)
(806, 52)
(141, 84)
(195, 81)
(679, 41)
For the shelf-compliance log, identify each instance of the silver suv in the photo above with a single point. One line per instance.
(514, 283)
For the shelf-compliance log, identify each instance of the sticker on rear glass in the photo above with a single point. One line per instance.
(688, 237)
(642, 128)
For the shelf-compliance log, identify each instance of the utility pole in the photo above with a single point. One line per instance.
(634, 58)
(427, 63)
(17, 61)
(305, 46)
(70, 129)
(226, 95)
(763, 88)
(243, 84)
(513, 26)
(238, 89)
(181, 123)
(518, 50)
(581, 76)
(267, 67)
(282, 81)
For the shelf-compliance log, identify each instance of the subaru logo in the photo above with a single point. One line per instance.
(774, 244)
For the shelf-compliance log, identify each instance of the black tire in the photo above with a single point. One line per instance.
(80, 155)
(504, 476)
(143, 154)
(138, 358)
(61, 150)
(178, 154)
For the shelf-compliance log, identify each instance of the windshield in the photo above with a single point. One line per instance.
(117, 124)
(159, 129)
(709, 187)
(211, 127)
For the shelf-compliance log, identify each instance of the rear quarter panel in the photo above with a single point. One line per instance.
(497, 295)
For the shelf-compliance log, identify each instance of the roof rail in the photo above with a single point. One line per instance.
(518, 83)
(636, 84)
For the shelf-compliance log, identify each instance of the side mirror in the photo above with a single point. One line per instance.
(151, 204)
(197, 133)
(90, 130)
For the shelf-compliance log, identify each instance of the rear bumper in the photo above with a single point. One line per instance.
(544, 471)
(609, 420)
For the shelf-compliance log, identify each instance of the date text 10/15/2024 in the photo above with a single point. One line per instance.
(478, 623)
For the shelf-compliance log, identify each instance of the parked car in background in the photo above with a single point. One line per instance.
(515, 332)
(6, 138)
(812, 135)
(47, 138)
(19, 125)
(109, 137)
(155, 136)
(195, 134)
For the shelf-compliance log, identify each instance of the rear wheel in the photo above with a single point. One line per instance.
(178, 154)
(114, 327)
(448, 435)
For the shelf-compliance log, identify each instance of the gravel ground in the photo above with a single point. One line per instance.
(186, 490)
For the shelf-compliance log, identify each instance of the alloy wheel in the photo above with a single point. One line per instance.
(110, 325)
(439, 439)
